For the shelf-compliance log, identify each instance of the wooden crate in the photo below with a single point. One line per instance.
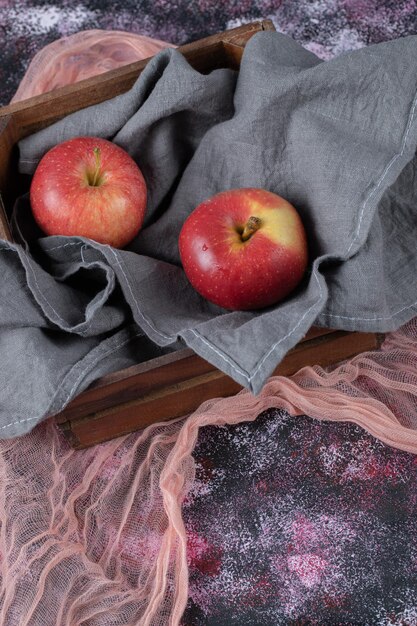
(174, 384)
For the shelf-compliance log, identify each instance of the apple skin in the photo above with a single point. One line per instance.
(244, 275)
(89, 187)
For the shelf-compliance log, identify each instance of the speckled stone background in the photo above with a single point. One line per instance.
(290, 521)
(326, 27)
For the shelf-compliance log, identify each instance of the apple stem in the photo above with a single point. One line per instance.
(251, 226)
(98, 164)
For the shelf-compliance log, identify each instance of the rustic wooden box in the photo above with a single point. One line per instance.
(174, 384)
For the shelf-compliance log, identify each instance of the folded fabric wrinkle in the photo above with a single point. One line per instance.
(346, 161)
(97, 536)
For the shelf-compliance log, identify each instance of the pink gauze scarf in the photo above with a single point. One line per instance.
(96, 536)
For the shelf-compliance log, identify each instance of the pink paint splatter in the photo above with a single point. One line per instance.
(304, 533)
(203, 556)
(308, 567)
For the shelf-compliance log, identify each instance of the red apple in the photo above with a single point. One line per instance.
(244, 249)
(89, 187)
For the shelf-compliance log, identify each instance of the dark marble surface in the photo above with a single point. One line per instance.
(295, 521)
(290, 521)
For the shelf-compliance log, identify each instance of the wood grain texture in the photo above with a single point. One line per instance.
(168, 399)
(4, 224)
(8, 138)
(132, 382)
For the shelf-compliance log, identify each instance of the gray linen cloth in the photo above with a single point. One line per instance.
(337, 139)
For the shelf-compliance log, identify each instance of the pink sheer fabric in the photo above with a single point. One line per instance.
(96, 537)
(85, 54)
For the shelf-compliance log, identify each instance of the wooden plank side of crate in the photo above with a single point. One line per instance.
(8, 138)
(133, 382)
(182, 398)
(4, 225)
(40, 111)
(168, 403)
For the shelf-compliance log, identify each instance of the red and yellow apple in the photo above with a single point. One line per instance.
(89, 187)
(244, 249)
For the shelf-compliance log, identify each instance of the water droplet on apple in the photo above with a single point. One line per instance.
(204, 248)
